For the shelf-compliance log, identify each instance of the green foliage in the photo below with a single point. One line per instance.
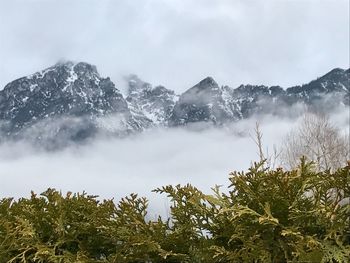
(264, 216)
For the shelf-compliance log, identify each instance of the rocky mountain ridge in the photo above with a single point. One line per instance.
(72, 102)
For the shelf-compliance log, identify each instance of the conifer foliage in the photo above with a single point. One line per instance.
(265, 216)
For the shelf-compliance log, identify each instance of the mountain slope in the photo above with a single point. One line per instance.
(207, 102)
(73, 95)
(154, 103)
(72, 102)
(204, 102)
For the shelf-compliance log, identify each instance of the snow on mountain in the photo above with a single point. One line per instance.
(154, 103)
(72, 94)
(71, 101)
(204, 102)
(207, 102)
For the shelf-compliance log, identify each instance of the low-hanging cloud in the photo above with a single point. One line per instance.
(113, 168)
(175, 43)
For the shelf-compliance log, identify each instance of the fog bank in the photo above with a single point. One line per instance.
(113, 168)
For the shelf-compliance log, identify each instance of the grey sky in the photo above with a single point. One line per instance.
(178, 42)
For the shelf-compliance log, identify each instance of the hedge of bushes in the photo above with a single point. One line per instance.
(265, 216)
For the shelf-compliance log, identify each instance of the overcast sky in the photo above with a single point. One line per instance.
(178, 42)
(175, 43)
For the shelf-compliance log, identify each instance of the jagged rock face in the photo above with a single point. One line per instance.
(247, 98)
(332, 89)
(205, 102)
(154, 104)
(66, 90)
(71, 101)
(337, 80)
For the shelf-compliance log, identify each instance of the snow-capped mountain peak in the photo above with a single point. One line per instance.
(74, 100)
(153, 103)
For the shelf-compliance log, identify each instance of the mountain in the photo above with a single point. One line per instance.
(153, 103)
(72, 102)
(207, 102)
(324, 93)
(68, 101)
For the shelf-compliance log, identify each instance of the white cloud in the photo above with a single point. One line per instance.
(175, 42)
(118, 167)
(170, 42)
